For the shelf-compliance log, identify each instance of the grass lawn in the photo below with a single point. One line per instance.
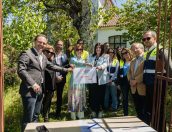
(13, 109)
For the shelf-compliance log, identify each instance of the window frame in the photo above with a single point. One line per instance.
(120, 44)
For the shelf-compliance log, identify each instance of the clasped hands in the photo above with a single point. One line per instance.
(133, 83)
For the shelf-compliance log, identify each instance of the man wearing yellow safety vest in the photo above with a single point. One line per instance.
(150, 41)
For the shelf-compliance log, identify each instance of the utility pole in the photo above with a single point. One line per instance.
(1, 73)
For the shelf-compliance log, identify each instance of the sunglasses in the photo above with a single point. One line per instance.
(124, 53)
(79, 49)
(111, 52)
(49, 52)
(144, 39)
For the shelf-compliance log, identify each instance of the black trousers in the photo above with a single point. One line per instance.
(139, 103)
(125, 91)
(59, 91)
(149, 103)
(96, 97)
(48, 95)
(118, 96)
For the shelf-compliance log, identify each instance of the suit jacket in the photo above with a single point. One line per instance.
(30, 71)
(138, 76)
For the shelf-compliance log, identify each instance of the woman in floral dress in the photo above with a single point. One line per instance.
(77, 92)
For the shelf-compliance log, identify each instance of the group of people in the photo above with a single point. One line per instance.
(43, 70)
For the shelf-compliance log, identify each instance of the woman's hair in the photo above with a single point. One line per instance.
(128, 51)
(102, 49)
(111, 49)
(118, 54)
(48, 47)
(78, 46)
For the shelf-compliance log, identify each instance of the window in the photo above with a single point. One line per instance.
(117, 41)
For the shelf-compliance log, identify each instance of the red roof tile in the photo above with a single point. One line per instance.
(110, 23)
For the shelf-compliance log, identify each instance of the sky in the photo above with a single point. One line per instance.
(119, 2)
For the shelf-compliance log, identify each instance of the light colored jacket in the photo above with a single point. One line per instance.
(138, 76)
(103, 76)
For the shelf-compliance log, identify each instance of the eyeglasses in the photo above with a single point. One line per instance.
(49, 52)
(124, 53)
(110, 52)
(79, 49)
(144, 39)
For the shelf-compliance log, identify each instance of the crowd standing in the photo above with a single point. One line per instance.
(43, 71)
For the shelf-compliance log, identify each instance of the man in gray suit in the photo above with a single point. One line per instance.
(31, 67)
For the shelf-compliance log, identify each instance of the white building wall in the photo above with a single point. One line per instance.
(103, 34)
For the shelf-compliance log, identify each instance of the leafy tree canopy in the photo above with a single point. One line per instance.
(140, 16)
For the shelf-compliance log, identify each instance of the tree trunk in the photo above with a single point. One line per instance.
(84, 31)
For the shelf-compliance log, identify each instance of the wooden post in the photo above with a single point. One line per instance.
(1, 73)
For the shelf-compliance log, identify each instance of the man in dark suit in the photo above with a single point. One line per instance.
(60, 79)
(31, 68)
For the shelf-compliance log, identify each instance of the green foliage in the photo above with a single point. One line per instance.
(108, 14)
(10, 75)
(12, 109)
(59, 26)
(140, 16)
(22, 21)
(137, 17)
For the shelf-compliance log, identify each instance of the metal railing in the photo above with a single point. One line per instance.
(161, 115)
